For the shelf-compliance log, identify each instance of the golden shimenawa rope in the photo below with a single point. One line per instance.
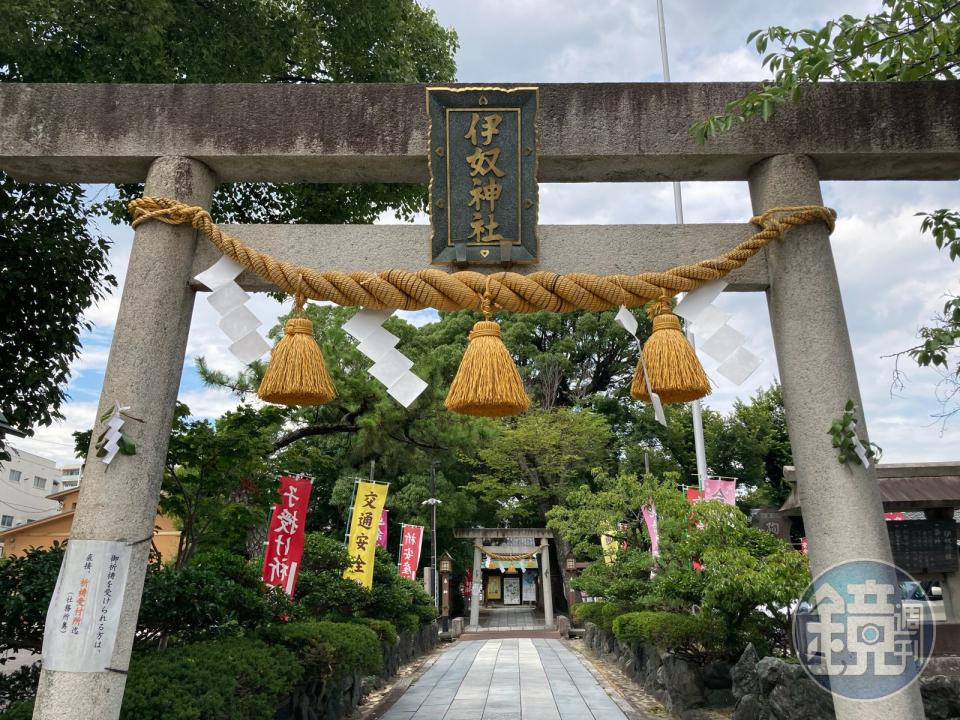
(506, 556)
(464, 290)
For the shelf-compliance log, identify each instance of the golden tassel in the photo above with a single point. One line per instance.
(674, 371)
(297, 374)
(487, 382)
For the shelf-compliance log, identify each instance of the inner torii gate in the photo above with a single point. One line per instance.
(539, 537)
(184, 139)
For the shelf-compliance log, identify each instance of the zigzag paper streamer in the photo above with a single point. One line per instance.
(236, 320)
(390, 366)
(113, 434)
(630, 324)
(718, 339)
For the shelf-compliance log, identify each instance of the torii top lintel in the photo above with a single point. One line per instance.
(602, 132)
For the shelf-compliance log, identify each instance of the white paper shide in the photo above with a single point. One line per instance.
(84, 612)
(390, 366)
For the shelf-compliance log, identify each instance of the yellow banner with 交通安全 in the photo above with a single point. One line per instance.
(609, 545)
(362, 541)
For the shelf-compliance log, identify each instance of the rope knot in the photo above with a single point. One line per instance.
(485, 328)
(298, 326)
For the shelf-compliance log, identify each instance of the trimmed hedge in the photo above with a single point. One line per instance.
(328, 648)
(695, 636)
(601, 614)
(385, 630)
(235, 678)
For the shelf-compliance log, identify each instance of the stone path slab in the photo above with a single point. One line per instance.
(509, 679)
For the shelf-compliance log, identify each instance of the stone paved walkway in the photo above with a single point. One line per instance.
(501, 619)
(513, 679)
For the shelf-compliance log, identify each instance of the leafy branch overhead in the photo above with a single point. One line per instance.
(908, 40)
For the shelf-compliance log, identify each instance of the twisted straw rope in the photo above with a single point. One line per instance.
(466, 290)
(506, 556)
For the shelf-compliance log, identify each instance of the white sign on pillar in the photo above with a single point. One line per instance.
(84, 612)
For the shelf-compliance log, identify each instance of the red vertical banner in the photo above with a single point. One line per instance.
(467, 589)
(410, 542)
(281, 561)
(382, 530)
(694, 495)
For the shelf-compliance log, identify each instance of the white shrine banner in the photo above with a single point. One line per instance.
(84, 612)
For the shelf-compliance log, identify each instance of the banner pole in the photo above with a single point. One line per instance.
(353, 498)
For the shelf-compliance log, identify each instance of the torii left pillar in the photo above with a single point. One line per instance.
(119, 502)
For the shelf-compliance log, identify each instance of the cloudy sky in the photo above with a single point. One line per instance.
(892, 279)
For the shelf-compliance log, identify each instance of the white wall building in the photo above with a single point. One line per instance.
(25, 482)
(70, 475)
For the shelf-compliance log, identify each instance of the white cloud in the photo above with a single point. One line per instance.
(56, 442)
(211, 402)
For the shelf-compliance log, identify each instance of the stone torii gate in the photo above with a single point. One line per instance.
(184, 139)
(541, 538)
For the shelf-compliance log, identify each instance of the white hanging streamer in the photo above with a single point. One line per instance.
(236, 320)
(719, 340)
(858, 447)
(390, 366)
(113, 434)
(629, 323)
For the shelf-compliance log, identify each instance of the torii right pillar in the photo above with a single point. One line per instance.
(842, 510)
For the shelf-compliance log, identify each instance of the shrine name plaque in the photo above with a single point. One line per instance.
(483, 175)
(924, 546)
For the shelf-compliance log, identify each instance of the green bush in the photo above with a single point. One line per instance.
(324, 594)
(216, 595)
(328, 648)
(697, 637)
(590, 612)
(20, 711)
(26, 585)
(19, 685)
(235, 678)
(385, 630)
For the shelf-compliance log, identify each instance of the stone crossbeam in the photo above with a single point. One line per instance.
(601, 249)
(377, 132)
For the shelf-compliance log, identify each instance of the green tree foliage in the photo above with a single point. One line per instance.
(323, 592)
(54, 266)
(217, 595)
(335, 443)
(218, 481)
(748, 581)
(750, 443)
(26, 585)
(17, 689)
(54, 263)
(906, 41)
(531, 464)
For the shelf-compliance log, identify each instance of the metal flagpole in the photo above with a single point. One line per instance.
(433, 501)
(696, 411)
